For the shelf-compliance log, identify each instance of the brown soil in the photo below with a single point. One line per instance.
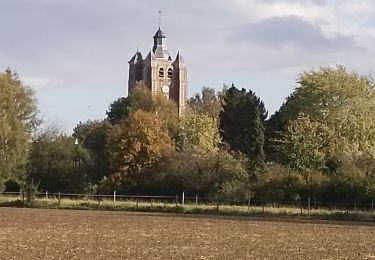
(65, 234)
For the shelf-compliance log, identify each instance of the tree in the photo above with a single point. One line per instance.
(304, 146)
(326, 126)
(200, 131)
(242, 122)
(136, 144)
(218, 174)
(208, 103)
(18, 120)
(343, 102)
(141, 99)
(93, 135)
(58, 164)
(121, 108)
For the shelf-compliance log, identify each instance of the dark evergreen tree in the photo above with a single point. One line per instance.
(242, 122)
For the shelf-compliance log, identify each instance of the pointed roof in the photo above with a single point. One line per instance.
(179, 59)
(137, 58)
(150, 55)
(159, 34)
(159, 48)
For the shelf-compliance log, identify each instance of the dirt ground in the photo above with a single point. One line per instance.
(65, 234)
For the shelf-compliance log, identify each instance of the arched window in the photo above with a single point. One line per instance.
(170, 73)
(161, 73)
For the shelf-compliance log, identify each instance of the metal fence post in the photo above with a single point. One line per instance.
(196, 200)
(114, 196)
(183, 199)
(59, 199)
(248, 205)
(46, 194)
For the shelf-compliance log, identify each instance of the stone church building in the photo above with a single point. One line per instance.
(160, 73)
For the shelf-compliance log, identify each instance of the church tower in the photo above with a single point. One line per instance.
(160, 73)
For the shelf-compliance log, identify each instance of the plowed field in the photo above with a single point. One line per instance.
(65, 234)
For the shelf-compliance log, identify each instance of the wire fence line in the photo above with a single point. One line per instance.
(182, 200)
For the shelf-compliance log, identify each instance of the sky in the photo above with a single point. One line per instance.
(75, 53)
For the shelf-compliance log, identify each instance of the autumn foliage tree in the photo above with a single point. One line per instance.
(136, 144)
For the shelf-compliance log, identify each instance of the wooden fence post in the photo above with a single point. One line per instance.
(59, 199)
(248, 205)
(23, 196)
(196, 200)
(176, 201)
(46, 194)
(308, 205)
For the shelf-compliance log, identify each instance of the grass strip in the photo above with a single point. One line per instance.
(203, 209)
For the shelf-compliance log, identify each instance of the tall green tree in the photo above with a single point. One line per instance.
(305, 144)
(199, 132)
(58, 164)
(93, 136)
(337, 101)
(18, 120)
(242, 122)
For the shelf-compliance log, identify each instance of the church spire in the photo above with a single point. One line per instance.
(160, 48)
(159, 39)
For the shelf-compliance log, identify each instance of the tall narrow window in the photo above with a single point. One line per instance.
(161, 73)
(170, 73)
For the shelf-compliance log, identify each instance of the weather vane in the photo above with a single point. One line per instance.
(159, 19)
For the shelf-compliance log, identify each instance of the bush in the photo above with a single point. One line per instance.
(217, 174)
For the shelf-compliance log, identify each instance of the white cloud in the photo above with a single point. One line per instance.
(36, 83)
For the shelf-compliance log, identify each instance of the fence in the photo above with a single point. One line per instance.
(308, 204)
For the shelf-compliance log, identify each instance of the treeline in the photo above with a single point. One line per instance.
(319, 144)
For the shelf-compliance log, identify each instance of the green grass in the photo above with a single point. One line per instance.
(207, 209)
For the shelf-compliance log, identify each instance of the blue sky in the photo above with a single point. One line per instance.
(74, 53)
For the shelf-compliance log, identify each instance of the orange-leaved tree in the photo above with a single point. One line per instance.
(136, 144)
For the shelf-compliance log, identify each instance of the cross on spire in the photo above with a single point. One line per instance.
(159, 18)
